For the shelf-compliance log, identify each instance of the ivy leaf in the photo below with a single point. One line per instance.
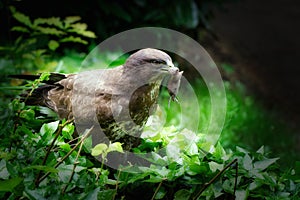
(247, 162)
(182, 194)
(261, 150)
(263, 164)
(241, 194)
(3, 170)
(68, 131)
(106, 194)
(116, 146)
(49, 128)
(92, 194)
(99, 149)
(215, 166)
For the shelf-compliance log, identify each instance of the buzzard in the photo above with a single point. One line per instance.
(118, 99)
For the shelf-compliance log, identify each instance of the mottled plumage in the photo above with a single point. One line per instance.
(119, 99)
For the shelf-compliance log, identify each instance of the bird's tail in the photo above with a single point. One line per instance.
(37, 96)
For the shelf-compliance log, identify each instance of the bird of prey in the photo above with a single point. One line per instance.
(119, 99)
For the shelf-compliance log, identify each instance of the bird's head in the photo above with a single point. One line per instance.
(151, 62)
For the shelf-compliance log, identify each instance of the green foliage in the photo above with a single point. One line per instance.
(182, 162)
(39, 39)
(61, 30)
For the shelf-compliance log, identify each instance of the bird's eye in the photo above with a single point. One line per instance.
(156, 61)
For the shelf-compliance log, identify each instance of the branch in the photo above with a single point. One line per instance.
(217, 176)
(69, 153)
(58, 132)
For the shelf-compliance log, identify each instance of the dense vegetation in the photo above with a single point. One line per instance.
(40, 158)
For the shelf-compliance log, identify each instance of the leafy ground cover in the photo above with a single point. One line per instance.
(40, 158)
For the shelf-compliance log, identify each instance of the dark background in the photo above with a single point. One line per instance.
(260, 39)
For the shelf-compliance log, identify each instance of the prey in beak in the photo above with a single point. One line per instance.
(174, 84)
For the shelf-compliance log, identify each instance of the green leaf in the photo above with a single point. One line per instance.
(3, 170)
(50, 31)
(263, 164)
(99, 149)
(78, 27)
(73, 39)
(68, 131)
(247, 162)
(44, 76)
(241, 194)
(53, 45)
(20, 29)
(182, 194)
(21, 17)
(92, 194)
(50, 21)
(49, 128)
(106, 194)
(41, 168)
(89, 34)
(71, 19)
(27, 114)
(10, 184)
(215, 166)
(161, 193)
(116, 146)
(261, 150)
(33, 194)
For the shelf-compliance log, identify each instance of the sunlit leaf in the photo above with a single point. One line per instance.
(241, 194)
(263, 164)
(50, 21)
(50, 31)
(73, 39)
(99, 149)
(71, 19)
(261, 150)
(247, 162)
(21, 17)
(3, 170)
(49, 128)
(215, 166)
(116, 146)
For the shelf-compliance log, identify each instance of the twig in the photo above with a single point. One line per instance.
(215, 177)
(236, 177)
(117, 185)
(156, 191)
(58, 132)
(74, 166)
(69, 153)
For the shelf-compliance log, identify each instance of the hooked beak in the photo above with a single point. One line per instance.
(170, 68)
